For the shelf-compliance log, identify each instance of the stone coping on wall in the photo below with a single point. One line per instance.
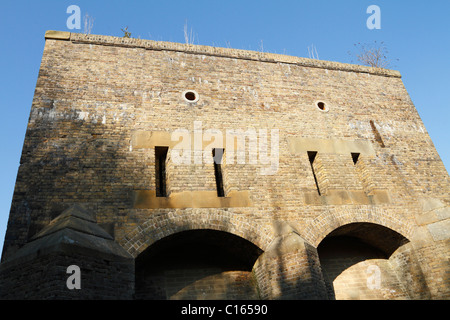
(216, 51)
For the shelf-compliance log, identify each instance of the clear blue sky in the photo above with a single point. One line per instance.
(415, 32)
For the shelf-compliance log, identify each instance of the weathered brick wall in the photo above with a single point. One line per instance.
(199, 283)
(230, 285)
(359, 282)
(45, 278)
(290, 269)
(102, 104)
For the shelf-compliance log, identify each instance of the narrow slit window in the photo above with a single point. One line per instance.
(312, 156)
(217, 156)
(160, 171)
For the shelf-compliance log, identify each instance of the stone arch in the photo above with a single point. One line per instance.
(364, 260)
(354, 243)
(197, 264)
(319, 227)
(163, 225)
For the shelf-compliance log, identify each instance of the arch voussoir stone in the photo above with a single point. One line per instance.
(163, 225)
(335, 217)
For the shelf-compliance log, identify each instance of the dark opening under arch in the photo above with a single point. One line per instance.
(380, 237)
(351, 244)
(197, 264)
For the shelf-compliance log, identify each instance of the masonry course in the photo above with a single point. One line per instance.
(375, 194)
